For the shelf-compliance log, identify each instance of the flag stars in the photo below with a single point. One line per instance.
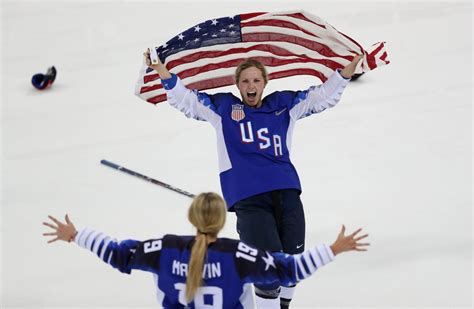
(196, 40)
(214, 35)
(232, 32)
(231, 26)
(222, 30)
(214, 22)
(197, 28)
(180, 37)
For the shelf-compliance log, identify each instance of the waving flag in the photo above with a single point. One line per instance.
(287, 43)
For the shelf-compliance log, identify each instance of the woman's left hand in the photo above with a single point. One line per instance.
(349, 70)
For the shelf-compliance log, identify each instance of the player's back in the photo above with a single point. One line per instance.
(230, 267)
(223, 286)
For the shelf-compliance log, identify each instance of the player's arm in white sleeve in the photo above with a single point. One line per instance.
(290, 269)
(117, 254)
(318, 98)
(193, 104)
(309, 261)
(122, 255)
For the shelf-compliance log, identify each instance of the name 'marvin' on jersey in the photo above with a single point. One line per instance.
(230, 269)
(210, 270)
(254, 144)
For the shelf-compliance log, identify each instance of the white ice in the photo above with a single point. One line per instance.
(394, 157)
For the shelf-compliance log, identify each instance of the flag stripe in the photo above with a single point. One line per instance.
(157, 99)
(327, 33)
(274, 72)
(274, 68)
(325, 38)
(302, 17)
(371, 60)
(280, 49)
(276, 23)
(261, 50)
(246, 16)
(228, 80)
(267, 61)
(324, 50)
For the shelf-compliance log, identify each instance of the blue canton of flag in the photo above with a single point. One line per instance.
(223, 30)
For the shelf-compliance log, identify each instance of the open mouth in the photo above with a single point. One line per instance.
(251, 95)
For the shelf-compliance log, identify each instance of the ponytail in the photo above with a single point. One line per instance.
(207, 213)
(196, 266)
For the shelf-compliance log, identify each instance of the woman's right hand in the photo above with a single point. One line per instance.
(159, 68)
(146, 57)
(350, 242)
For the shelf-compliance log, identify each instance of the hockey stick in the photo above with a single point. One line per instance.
(146, 178)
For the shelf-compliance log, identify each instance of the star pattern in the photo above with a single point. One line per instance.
(269, 261)
(225, 30)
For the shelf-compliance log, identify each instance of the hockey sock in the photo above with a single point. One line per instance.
(267, 299)
(286, 295)
(267, 303)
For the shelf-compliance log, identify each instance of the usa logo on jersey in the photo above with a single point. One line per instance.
(237, 112)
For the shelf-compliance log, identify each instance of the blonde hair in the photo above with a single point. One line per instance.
(248, 63)
(207, 213)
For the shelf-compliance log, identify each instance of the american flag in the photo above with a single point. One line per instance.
(287, 43)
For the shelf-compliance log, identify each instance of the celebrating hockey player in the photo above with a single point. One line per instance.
(204, 271)
(254, 133)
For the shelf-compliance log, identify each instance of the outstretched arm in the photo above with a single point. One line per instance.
(289, 269)
(193, 104)
(308, 262)
(124, 255)
(319, 98)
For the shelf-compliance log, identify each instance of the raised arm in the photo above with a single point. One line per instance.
(194, 104)
(318, 98)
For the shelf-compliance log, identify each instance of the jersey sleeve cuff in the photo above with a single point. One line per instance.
(170, 82)
(340, 75)
(326, 253)
(83, 237)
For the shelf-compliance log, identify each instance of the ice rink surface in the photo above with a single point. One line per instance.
(394, 157)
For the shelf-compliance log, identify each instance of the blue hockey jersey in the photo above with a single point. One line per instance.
(230, 267)
(254, 143)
